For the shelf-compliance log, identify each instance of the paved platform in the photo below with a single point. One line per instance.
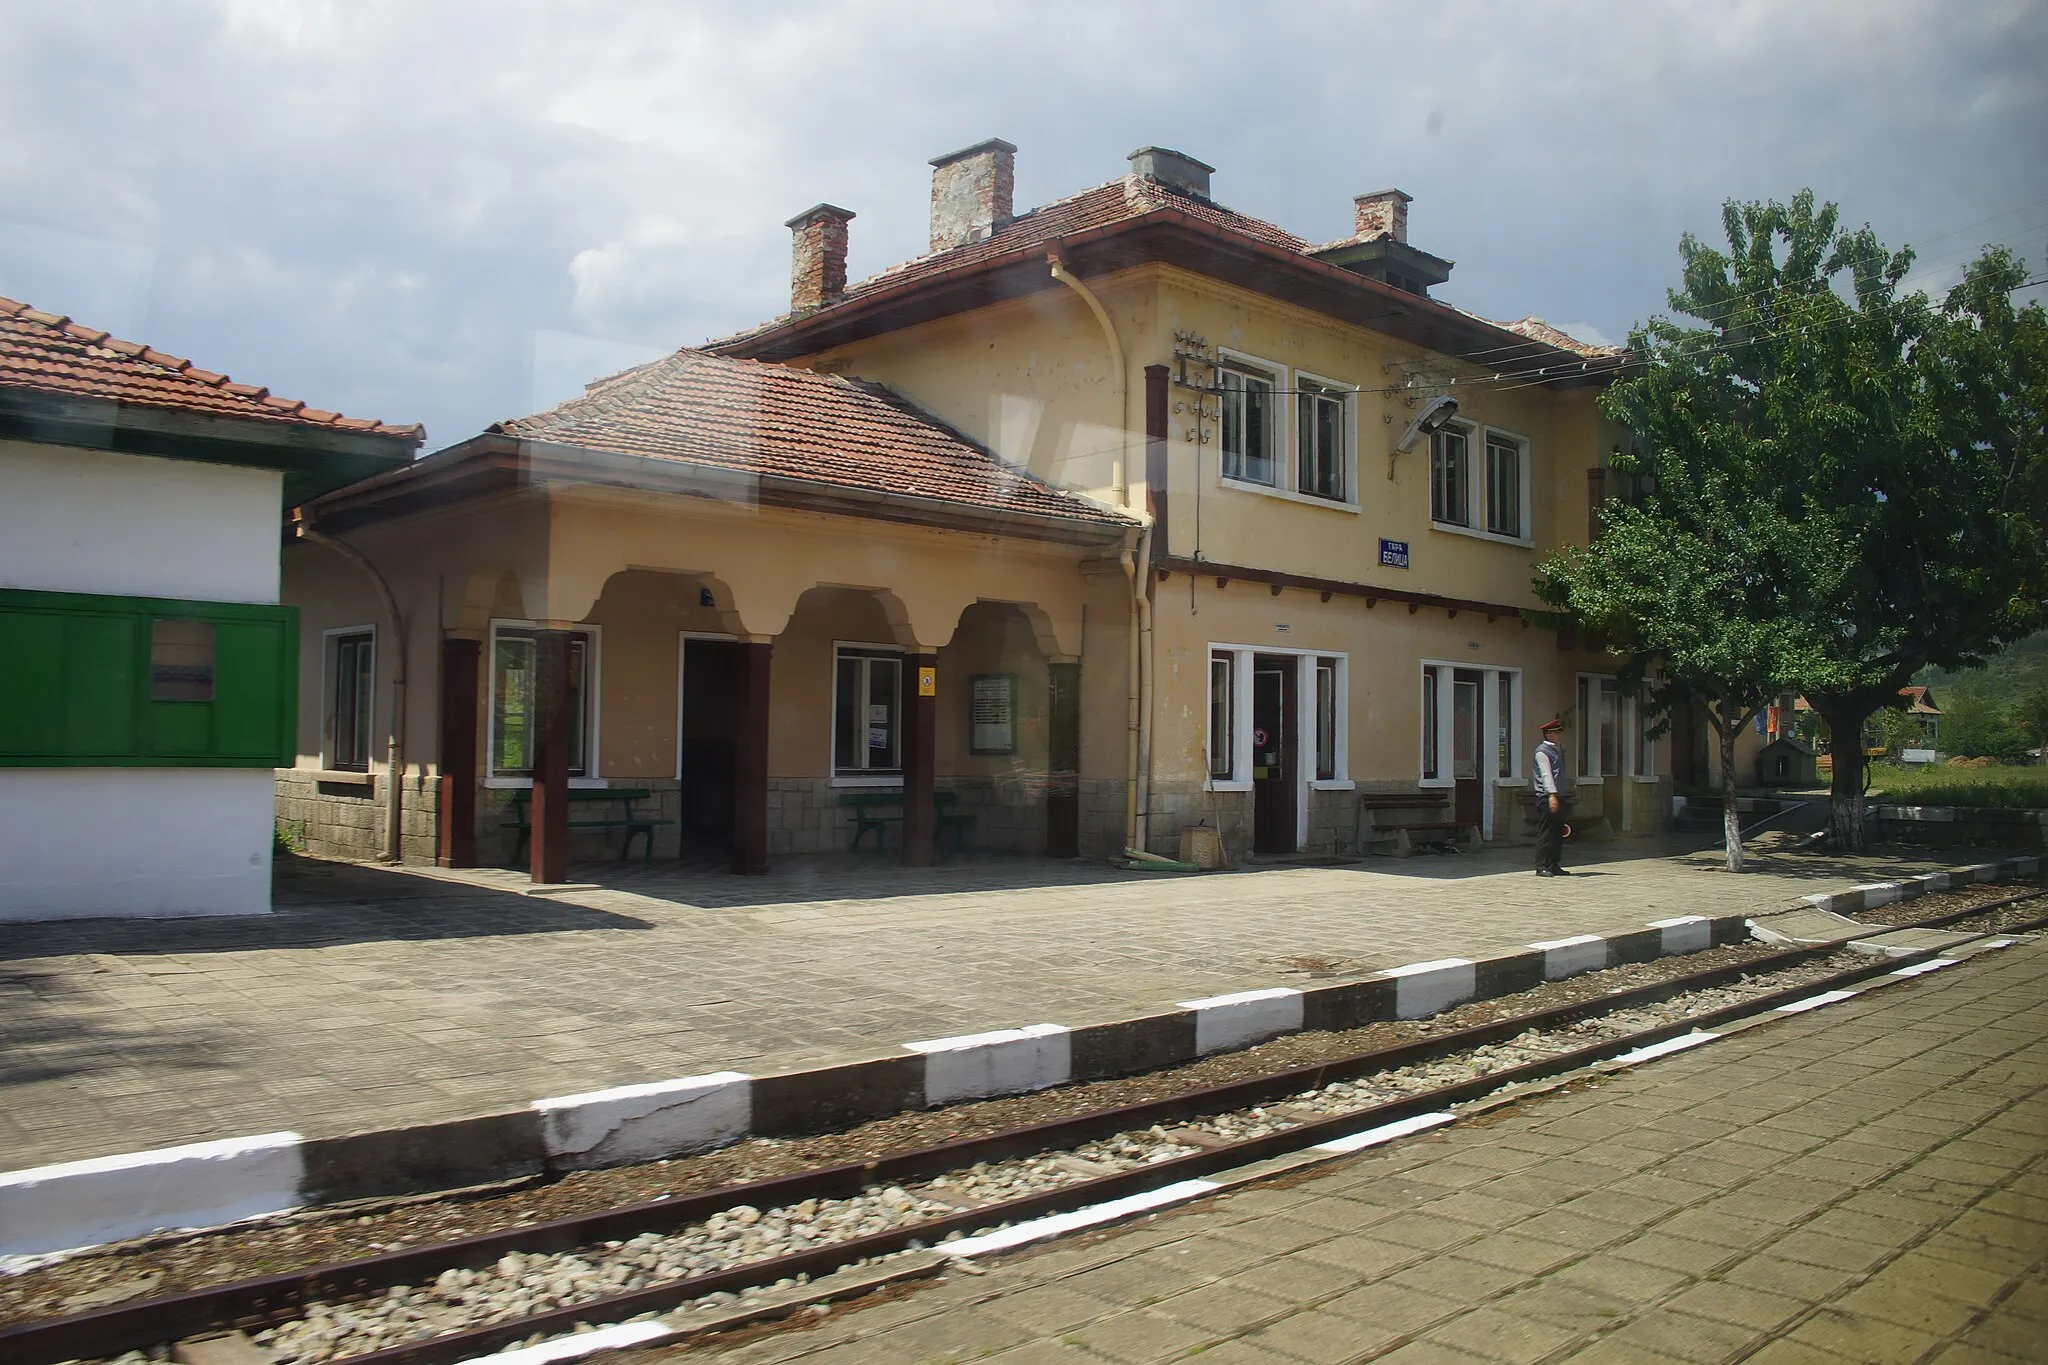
(1865, 1183)
(376, 997)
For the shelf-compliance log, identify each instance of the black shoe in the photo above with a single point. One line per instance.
(1545, 872)
(1559, 872)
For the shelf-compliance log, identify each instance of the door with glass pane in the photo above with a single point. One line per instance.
(1468, 792)
(1274, 775)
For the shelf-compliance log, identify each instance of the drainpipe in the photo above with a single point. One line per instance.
(394, 744)
(1138, 569)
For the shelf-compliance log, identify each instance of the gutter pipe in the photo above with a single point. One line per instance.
(1138, 572)
(394, 744)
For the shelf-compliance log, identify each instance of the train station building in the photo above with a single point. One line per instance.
(1095, 523)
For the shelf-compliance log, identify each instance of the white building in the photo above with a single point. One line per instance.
(148, 676)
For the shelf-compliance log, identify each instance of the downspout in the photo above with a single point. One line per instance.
(1138, 571)
(394, 744)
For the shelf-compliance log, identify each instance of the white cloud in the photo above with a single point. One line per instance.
(380, 205)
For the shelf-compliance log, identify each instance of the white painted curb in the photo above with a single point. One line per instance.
(1684, 934)
(1424, 988)
(643, 1122)
(110, 1199)
(1008, 1061)
(1563, 957)
(1059, 1224)
(1228, 1021)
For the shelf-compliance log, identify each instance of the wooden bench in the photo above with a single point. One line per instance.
(1407, 836)
(877, 811)
(621, 816)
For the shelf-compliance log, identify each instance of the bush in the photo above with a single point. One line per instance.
(1957, 785)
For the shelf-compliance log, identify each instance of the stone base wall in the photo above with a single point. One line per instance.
(345, 819)
(1103, 807)
(1177, 804)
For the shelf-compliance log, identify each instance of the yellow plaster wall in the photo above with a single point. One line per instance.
(1031, 378)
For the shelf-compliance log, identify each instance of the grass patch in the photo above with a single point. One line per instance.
(2026, 788)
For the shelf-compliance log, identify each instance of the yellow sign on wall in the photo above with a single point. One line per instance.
(927, 682)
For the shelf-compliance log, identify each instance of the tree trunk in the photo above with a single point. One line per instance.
(1845, 794)
(1731, 818)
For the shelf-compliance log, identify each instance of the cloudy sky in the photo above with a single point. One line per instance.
(456, 212)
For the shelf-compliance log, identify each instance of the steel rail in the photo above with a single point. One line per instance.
(267, 1300)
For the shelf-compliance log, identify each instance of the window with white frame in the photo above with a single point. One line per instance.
(1432, 746)
(1319, 439)
(350, 691)
(1642, 747)
(1503, 485)
(1488, 495)
(867, 710)
(1450, 477)
(1599, 716)
(1505, 714)
(514, 698)
(1248, 430)
(1328, 715)
(1222, 717)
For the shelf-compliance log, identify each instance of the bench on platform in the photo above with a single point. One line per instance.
(877, 811)
(1372, 828)
(621, 816)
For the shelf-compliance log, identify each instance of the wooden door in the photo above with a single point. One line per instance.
(1275, 773)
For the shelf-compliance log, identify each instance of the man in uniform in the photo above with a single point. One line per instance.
(1546, 777)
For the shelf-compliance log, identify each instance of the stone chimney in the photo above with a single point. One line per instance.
(971, 192)
(817, 266)
(1383, 211)
(1175, 169)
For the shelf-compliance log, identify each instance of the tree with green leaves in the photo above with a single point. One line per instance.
(1891, 454)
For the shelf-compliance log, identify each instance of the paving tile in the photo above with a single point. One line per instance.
(1137, 1338)
(1322, 1336)
(1495, 1335)
(1857, 1337)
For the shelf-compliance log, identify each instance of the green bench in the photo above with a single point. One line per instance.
(877, 811)
(594, 799)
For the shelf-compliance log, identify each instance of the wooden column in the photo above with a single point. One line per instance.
(920, 745)
(1063, 763)
(550, 814)
(750, 763)
(456, 821)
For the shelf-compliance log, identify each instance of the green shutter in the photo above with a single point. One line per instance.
(75, 684)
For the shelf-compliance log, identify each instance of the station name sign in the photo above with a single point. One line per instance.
(1394, 553)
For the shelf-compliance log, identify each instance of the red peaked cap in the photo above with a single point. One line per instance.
(1554, 723)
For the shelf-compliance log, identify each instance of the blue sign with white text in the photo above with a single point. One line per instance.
(1394, 553)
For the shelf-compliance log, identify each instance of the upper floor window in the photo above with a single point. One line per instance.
(1319, 438)
(1247, 424)
(1486, 496)
(1503, 485)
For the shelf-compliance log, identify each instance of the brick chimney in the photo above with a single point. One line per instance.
(817, 266)
(1175, 169)
(972, 192)
(1383, 211)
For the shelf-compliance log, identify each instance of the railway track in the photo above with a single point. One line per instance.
(923, 1198)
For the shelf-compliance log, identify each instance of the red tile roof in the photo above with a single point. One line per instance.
(52, 354)
(1117, 201)
(772, 420)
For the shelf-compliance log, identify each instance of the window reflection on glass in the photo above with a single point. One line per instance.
(181, 659)
(1320, 440)
(1326, 719)
(350, 692)
(1432, 761)
(515, 717)
(1503, 486)
(1449, 480)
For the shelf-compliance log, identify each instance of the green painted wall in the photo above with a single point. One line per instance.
(76, 684)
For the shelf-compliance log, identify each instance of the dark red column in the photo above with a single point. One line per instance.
(1156, 397)
(750, 763)
(551, 719)
(456, 821)
(1063, 763)
(920, 745)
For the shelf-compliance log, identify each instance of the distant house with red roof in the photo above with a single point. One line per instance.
(1094, 521)
(148, 674)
